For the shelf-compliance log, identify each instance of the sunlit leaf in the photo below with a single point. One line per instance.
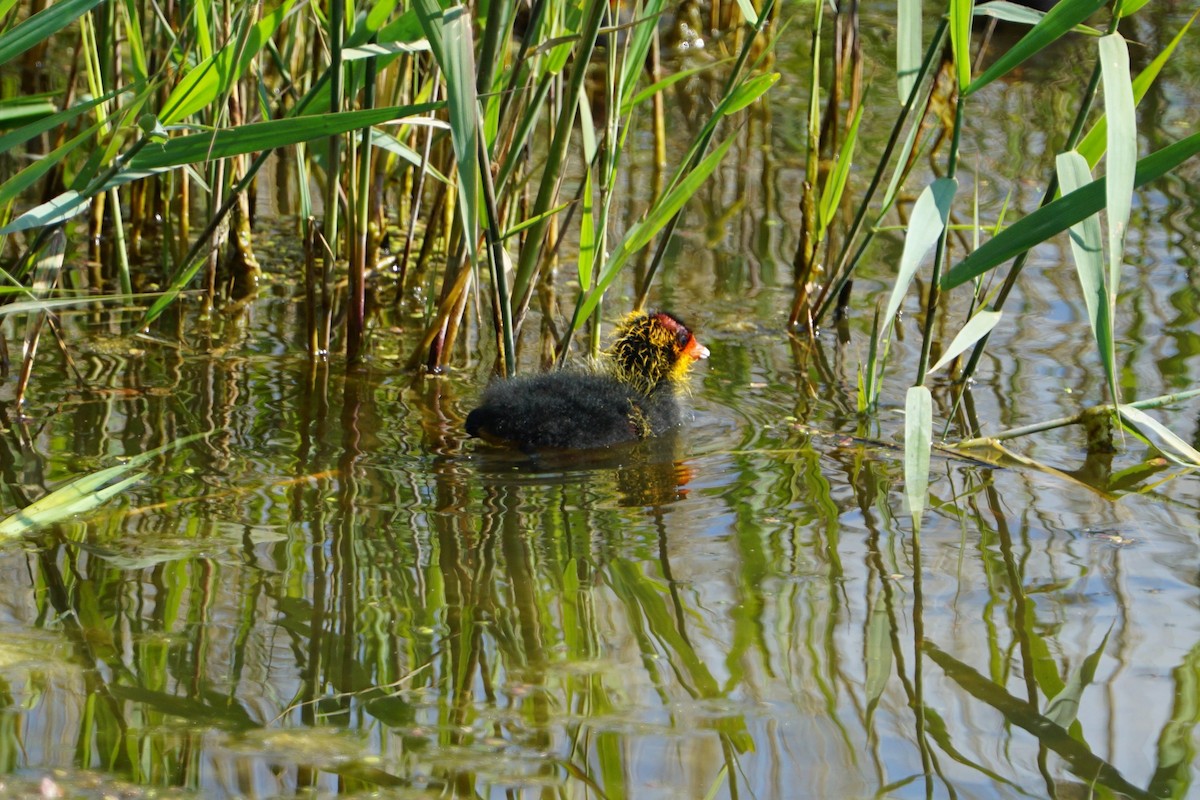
(459, 69)
(960, 40)
(1092, 145)
(908, 46)
(1087, 250)
(644, 232)
(976, 328)
(1064, 212)
(1058, 21)
(835, 183)
(1022, 15)
(925, 226)
(214, 76)
(1172, 446)
(1121, 161)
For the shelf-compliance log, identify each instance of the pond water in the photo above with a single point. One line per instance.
(336, 592)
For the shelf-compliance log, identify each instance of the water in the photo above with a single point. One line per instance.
(335, 592)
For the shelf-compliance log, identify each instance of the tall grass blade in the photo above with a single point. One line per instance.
(976, 328)
(918, 442)
(459, 70)
(41, 26)
(835, 184)
(1057, 22)
(644, 231)
(908, 46)
(925, 227)
(1121, 161)
(1088, 251)
(960, 40)
(1054, 218)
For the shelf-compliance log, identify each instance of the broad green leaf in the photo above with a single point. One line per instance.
(1087, 250)
(960, 40)
(918, 442)
(835, 183)
(633, 56)
(214, 76)
(1057, 216)
(76, 497)
(1057, 22)
(925, 226)
(16, 113)
(1092, 145)
(526, 223)
(1172, 446)
(375, 50)
(908, 46)
(41, 26)
(36, 128)
(459, 70)
(976, 328)
(1121, 161)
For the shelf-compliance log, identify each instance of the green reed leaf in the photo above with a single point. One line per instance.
(1121, 161)
(1172, 446)
(976, 328)
(1058, 22)
(1088, 251)
(960, 40)
(642, 233)
(1023, 15)
(459, 69)
(1057, 216)
(215, 76)
(835, 183)
(41, 26)
(925, 226)
(1092, 145)
(201, 147)
(908, 46)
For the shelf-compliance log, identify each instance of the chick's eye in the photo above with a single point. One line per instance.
(683, 337)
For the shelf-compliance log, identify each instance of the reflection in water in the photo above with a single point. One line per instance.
(336, 592)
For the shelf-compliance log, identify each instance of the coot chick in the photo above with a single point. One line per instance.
(632, 395)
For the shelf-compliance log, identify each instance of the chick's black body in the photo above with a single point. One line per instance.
(632, 395)
(571, 410)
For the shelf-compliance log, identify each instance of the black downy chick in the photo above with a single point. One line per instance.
(633, 396)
